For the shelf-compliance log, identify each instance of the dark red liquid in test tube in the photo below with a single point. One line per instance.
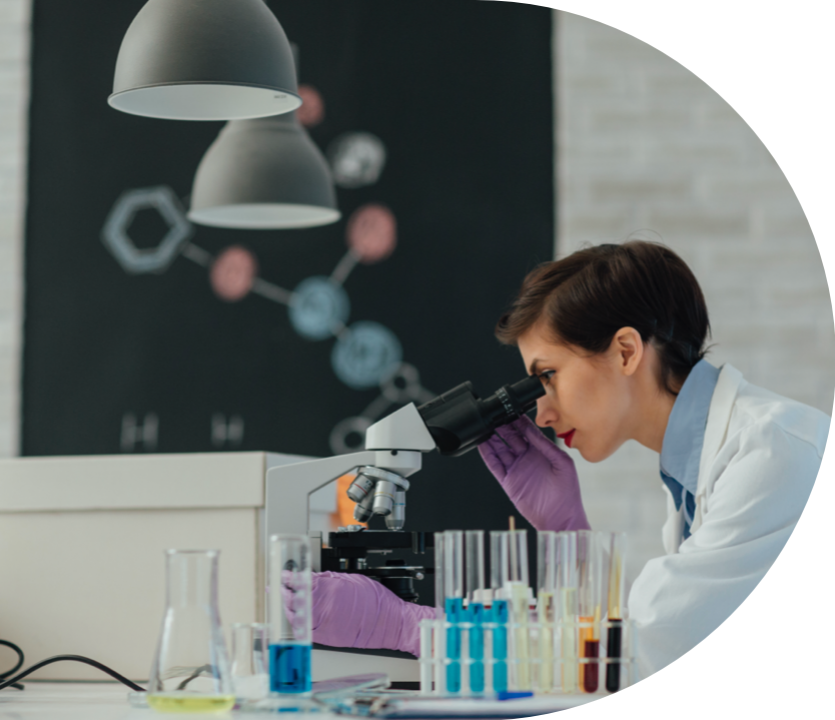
(590, 670)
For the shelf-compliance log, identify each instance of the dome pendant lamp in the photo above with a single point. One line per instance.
(205, 60)
(263, 174)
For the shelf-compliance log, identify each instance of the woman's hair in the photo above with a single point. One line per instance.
(588, 296)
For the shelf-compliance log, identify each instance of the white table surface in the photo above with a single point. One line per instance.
(91, 701)
(96, 701)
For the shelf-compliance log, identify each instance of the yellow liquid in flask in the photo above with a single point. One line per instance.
(182, 703)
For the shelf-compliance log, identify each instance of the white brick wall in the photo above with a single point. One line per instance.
(642, 144)
(14, 100)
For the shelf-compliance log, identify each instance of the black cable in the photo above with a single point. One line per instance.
(4, 675)
(74, 658)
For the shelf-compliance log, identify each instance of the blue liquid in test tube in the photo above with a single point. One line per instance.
(500, 617)
(289, 608)
(476, 613)
(290, 668)
(454, 614)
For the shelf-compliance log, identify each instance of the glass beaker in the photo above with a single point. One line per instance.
(250, 664)
(190, 672)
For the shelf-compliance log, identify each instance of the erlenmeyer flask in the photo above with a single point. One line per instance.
(191, 668)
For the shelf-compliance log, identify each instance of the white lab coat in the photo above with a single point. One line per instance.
(760, 458)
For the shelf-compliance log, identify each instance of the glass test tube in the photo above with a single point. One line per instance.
(427, 656)
(440, 616)
(454, 605)
(475, 596)
(567, 583)
(250, 663)
(499, 614)
(513, 571)
(589, 569)
(519, 590)
(546, 605)
(439, 575)
(617, 553)
(290, 605)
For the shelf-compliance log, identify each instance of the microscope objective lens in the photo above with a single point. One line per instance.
(384, 497)
(361, 487)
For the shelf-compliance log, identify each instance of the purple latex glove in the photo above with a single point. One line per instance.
(295, 599)
(538, 477)
(355, 611)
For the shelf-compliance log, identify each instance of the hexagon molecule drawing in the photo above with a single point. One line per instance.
(116, 237)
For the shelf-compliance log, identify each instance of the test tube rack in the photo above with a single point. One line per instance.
(552, 665)
(507, 639)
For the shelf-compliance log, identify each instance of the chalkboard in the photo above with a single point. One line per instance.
(446, 110)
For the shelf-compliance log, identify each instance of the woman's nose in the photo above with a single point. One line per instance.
(545, 413)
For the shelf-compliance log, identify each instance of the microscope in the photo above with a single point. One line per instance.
(453, 423)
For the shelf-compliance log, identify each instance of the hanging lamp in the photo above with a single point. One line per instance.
(263, 174)
(205, 60)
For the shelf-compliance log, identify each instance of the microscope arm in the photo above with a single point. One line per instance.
(289, 486)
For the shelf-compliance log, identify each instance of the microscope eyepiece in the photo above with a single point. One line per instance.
(459, 420)
(515, 400)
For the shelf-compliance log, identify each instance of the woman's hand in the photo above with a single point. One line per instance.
(538, 477)
(351, 610)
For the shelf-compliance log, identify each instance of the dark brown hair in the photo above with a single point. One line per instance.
(588, 296)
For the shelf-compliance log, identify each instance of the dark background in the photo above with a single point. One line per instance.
(461, 95)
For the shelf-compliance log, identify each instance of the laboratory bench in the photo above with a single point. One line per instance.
(90, 701)
(109, 701)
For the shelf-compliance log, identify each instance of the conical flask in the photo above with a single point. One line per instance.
(191, 668)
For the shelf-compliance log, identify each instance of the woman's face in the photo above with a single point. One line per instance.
(587, 397)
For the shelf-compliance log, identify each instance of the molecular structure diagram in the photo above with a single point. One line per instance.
(365, 354)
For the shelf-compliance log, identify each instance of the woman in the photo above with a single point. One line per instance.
(617, 335)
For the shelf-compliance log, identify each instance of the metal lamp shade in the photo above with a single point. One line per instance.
(263, 174)
(205, 60)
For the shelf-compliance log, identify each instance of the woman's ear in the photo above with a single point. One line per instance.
(628, 348)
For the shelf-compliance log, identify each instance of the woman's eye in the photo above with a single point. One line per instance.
(546, 376)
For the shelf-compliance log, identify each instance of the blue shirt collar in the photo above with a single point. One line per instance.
(681, 450)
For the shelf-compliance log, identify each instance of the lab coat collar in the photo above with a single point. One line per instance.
(684, 437)
(719, 417)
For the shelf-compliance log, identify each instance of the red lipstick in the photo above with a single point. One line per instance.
(567, 436)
